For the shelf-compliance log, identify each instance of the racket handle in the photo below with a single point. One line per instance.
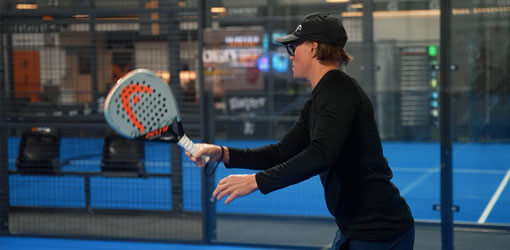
(191, 147)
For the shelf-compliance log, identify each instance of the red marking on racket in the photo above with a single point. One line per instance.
(156, 132)
(136, 99)
(125, 95)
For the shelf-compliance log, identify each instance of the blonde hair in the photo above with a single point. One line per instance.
(326, 52)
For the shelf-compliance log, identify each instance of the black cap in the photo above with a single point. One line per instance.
(319, 27)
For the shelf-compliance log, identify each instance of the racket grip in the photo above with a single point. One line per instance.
(191, 147)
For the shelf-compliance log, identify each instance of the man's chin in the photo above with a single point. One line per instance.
(297, 77)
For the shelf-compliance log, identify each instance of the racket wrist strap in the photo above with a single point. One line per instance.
(216, 164)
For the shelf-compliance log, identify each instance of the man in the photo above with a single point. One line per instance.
(335, 137)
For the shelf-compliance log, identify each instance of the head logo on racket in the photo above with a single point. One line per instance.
(125, 96)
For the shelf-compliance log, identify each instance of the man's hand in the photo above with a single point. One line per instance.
(235, 186)
(204, 149)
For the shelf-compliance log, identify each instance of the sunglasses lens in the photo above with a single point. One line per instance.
(291, 48)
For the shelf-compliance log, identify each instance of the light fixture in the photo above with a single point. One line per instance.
(337, 1)
(356, 6)
(80, 16)
(186, 76)
(26, 6)
(165, 75)
(218, 10)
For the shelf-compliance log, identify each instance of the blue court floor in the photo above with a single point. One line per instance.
(34, 243)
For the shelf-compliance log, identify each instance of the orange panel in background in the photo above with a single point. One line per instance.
(27, 80)
(118, 72)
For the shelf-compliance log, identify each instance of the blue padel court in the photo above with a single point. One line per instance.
(481, 173)
(30, 243)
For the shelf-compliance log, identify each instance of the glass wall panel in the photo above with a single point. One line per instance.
(481, 110)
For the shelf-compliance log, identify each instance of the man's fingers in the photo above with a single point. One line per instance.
(233, 187)
(222, 194)
(201, 150)
(218, 190)
(201, 163)
(222, 181)
(231, 198)
(199, 157)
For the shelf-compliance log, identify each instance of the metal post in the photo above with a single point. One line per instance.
(4, 167)
(206, 102)
(270, 77)
(8, 67)
(92, 53)
(176, 183)
(86, 184)
(445, 129)
(174, 67)
(367, 57)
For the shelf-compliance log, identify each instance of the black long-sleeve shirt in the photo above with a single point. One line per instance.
(336, 137)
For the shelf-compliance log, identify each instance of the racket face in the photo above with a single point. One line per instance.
(140, 104)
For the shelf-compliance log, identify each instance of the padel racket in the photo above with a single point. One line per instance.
(142, 106)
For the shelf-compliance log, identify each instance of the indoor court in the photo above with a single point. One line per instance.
(435, 71)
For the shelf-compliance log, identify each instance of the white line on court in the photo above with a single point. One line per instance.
(494, 198)
(428, 172)
(461, 171)
(478, 171)
(417, 182)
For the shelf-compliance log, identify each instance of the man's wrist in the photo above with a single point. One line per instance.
(226, 155)
(255, 185)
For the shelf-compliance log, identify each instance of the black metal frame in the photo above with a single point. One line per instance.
(207, 133)
(4, 176)
(445, 128)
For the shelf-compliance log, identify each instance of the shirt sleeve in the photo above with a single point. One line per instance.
(336, 105)
(268, 156)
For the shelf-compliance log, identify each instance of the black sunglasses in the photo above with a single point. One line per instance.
(291, 47)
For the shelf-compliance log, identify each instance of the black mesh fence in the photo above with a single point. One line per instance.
(64, 173)
(68, 174)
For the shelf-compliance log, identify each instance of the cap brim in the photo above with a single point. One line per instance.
(287, 39)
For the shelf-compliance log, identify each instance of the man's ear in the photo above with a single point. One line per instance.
(315, 46)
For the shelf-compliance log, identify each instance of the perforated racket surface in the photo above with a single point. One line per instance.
(140, 103)
(142, 106)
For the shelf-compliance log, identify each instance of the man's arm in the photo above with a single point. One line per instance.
(336, 109)
(268, 156)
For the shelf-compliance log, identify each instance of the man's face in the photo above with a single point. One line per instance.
(301, 58)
